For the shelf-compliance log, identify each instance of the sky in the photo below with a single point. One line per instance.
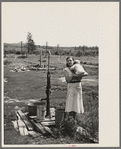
(63, 23)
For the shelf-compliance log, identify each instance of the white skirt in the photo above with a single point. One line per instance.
(74, 100)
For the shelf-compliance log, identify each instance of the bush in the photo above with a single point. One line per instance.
(89, 63)
(56, 53)
(6, 62)
(78, 54)
(84, 62)
(17, 52)
(88, 53)
(11, 51)
(36, 52)
(22, 56)
(23, 52)
(72, 54)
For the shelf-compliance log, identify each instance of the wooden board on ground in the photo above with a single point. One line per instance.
(45, 120)
(48, 123)
(47, 129)
(38, 127)
(21, 126)
(25, 120)
(33, 117)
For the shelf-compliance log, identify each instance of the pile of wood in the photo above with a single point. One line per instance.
(20, 69)
(28, 126)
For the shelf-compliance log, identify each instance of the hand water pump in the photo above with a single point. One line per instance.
(48, 87)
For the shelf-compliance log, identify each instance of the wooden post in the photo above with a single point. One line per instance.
(41, 58)
(46, 49)
(57, 50)
(21, 47)
(83, 49)
(70, 53)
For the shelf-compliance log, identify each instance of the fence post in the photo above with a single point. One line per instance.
(41, 58)
(21, 47)
(46, 49)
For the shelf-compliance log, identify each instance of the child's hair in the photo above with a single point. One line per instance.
(67, 59)
(77, 62)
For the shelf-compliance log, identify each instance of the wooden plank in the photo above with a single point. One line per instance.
(48, 123)
(15, 124)
(47, 129)
(25, 120)
(45, 120)
(33, 117)
(38, 127)
(21, 127)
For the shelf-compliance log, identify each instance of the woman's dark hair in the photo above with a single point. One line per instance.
(67, 59)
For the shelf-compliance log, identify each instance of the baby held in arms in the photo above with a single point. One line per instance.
(78, 69)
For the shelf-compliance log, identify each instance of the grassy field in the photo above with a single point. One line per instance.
(20, 87)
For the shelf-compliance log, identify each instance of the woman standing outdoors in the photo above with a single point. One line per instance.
(74, 102)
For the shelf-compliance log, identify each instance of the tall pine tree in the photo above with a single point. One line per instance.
(30, 43)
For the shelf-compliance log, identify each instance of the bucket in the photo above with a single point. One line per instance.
(32, 108)
(59, 115)
(41, 111)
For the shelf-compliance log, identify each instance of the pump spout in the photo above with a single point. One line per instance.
(43, 99)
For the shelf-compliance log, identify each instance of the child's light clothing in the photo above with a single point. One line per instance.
(77, 69)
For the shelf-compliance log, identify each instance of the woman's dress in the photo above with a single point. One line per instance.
(74, 100)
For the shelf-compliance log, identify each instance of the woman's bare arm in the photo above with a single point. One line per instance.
(67, 76)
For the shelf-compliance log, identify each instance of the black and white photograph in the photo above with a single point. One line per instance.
(60, 74)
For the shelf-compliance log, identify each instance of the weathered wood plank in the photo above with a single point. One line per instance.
(21, 126)
(15, 124)
(45, 120)
(25, 120)
(51, 123)
(38, 127)
(47, 129)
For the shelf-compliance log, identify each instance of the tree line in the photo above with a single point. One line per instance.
(31, 48)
